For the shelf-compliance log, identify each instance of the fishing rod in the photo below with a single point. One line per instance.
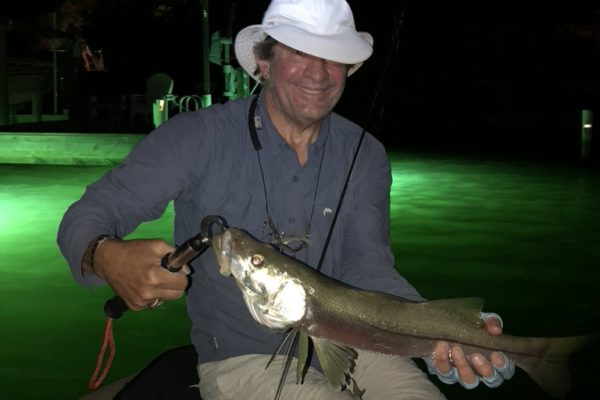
(292, 338)
(399, 21)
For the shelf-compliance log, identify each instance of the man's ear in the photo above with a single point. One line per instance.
(263, 69)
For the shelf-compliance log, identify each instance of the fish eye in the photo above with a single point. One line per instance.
(257, 260)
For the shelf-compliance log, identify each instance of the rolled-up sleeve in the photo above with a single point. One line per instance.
(138, 190)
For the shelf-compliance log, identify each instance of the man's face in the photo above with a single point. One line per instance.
(301, 87)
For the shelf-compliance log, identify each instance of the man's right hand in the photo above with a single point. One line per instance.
(132, 268)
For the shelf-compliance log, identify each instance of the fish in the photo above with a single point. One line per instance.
(285, 295)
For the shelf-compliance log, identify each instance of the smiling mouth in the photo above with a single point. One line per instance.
(312, 91)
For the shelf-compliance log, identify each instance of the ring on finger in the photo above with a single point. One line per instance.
(156, 303)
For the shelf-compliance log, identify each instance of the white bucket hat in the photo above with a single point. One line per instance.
(322, 28)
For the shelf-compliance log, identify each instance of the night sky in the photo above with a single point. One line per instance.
(507, 76)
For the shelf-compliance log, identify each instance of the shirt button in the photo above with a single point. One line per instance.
(295, 178)
(291, 220)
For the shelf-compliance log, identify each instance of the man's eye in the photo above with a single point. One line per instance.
(298, 52)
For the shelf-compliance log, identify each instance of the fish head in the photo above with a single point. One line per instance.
(275, 298)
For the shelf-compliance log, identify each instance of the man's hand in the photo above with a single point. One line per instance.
(132, 268)
(452, 365)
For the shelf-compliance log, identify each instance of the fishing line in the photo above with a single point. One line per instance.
(398, 23)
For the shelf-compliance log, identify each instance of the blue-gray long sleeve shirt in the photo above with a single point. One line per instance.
(206, 163)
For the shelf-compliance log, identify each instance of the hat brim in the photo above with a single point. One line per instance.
(244, 44)
(348, 49)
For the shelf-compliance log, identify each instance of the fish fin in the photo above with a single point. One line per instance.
(469, 308)
(293, 341)
(551, 373)
(338, 362)
(291, 337)
(302, 356)
(357, 392)
(284, 344)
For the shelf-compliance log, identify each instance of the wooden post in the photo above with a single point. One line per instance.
(206, 96)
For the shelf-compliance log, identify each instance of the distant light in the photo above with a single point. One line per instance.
(587, 125)
(161, 105)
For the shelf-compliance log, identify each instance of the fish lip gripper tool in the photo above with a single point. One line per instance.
(192, 248)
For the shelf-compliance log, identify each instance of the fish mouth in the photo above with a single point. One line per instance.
(221, 244)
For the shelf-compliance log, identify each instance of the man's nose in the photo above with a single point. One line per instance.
(316, 68)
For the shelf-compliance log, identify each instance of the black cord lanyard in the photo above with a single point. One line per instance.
(256, 123)
(253, 123)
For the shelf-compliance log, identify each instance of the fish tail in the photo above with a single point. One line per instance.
(551, 372)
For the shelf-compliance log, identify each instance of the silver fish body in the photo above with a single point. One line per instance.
(282, 293)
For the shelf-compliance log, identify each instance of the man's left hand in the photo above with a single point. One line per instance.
(451, 364)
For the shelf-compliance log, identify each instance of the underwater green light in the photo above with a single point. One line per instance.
(7, 217)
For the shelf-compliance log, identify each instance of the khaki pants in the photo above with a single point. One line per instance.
(245, 378)
(382, 377)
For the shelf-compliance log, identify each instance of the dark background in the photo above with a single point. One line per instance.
(493, 77)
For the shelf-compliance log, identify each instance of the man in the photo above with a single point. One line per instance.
(274, 165)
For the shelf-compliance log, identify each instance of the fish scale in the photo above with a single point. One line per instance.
(413, 332)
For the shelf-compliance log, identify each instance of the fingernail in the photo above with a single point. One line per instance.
(476, 360)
